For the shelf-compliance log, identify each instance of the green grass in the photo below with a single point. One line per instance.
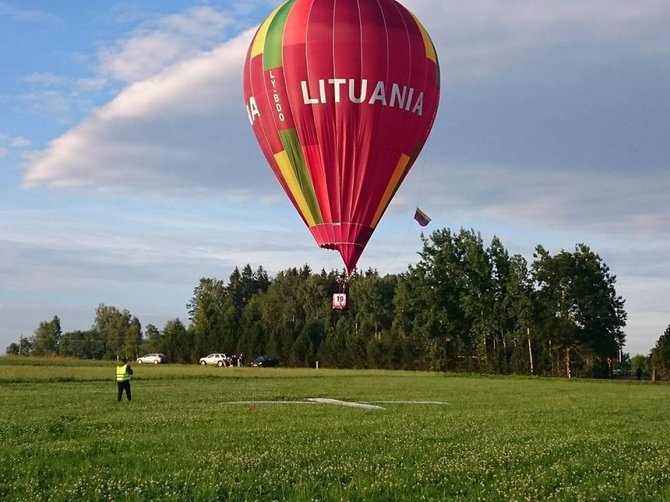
(63, 436)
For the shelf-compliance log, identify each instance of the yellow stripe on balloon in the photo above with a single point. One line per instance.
(427, 42)
(292, 182)
(391, 187)
(259, 40)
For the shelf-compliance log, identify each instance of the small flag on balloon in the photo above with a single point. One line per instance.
(421, 217)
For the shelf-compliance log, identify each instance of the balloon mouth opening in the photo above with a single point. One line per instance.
(346, 238)
(350, 254)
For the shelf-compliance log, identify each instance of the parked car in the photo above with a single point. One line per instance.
(215, 359)
(152, 359)
(265, 362)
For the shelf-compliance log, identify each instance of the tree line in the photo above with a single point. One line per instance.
(464, 306)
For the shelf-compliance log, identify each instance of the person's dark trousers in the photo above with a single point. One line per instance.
(123, 386)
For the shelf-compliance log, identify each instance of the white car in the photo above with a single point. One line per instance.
(216, 359)
(152, 359)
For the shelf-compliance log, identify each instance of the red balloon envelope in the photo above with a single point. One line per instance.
(341, 95)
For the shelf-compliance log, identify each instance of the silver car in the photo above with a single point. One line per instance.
(152, 359)
(216, 359)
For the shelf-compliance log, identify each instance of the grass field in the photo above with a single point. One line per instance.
(195, 433)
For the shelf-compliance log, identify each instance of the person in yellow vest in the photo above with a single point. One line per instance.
(123, 375)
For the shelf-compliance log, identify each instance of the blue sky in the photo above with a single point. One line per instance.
(128, 169)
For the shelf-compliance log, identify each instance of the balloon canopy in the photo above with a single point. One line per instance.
(341, 95)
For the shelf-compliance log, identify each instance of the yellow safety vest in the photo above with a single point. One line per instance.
(122, 374)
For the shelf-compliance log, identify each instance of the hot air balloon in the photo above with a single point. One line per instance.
(341, 95)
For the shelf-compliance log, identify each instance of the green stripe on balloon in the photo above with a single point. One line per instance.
(272, 52)
(289, 139)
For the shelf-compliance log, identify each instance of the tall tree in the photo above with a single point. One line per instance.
(114, 325)
(421, 321)
(502, 323)
(640, 364)
(430, 293)
(177, 343)
(579, 311)
(446, 302)
(371, 299)
(153, 340)
(242, 286)
(205, 312)
(83, 344)
(660, 356)
(252, 330)
(478, 296)
(133, 338)
(47, 337)
(516, 317)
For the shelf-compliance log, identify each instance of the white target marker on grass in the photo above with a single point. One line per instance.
(352, 404)
(339, 402)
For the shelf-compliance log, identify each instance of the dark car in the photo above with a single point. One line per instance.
(265, 362)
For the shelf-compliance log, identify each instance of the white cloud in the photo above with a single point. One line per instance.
(28, 15)
(46, 79)
(51, 102)
(19, 142)
(201, 23)
(182, 130)
(478, 38)
(91, 83)
(143, 56)
(49, 95)
(603, 204)
(9, 143)
(162, 43)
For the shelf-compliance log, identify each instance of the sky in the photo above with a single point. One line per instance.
(128, 168)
